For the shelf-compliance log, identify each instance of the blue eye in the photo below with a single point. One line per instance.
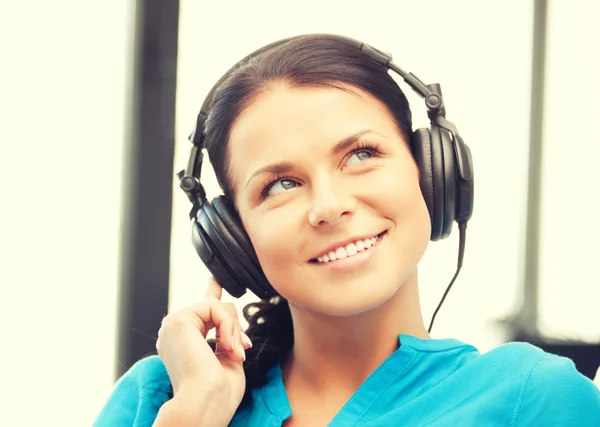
(359, 155)
(280, 185)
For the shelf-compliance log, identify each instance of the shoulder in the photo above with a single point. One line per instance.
(522, 352)
(509, 362)
(149, 369)
(137, 396)
(551, 390)
(146, 375)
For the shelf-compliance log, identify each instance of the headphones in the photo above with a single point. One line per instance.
(443, 159)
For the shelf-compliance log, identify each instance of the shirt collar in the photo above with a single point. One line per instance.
(275, 395)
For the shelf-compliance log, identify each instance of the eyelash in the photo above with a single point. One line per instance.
(371, 147)
(269, 183)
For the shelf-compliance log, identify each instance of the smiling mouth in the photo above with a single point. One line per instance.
(349, 250)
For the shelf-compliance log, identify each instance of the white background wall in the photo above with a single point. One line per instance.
(63, 81)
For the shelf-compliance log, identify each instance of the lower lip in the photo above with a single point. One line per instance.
(352, 262)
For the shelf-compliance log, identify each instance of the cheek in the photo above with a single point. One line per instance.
(269, 234)
(397, 191)
(397, 196)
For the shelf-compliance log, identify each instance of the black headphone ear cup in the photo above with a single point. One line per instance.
(242, 247)
(209, 256)
(227, 249)
(226, 211)
(422, 147)
(450, 180)
(465, 189)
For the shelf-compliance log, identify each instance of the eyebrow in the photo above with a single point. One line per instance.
(284, 167)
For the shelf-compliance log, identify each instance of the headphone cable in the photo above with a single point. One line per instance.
(462, 226)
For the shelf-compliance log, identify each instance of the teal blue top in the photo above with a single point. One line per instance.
(433, 383)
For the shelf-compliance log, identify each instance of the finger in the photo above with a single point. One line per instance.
(230, 354)
(240, 354)
(214, 289)
(230, 308)
(245, 341)
(208, 314)
(233, 352)
(219, 348)
(229, 335)
(226, 334)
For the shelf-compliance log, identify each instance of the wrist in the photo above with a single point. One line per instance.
(191, 410)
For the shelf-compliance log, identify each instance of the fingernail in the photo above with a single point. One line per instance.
(246, 339)
(233, 342)
(243, 353)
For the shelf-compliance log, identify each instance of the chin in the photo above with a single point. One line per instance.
(350, 302)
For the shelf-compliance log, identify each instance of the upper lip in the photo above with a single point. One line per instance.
(344, 243)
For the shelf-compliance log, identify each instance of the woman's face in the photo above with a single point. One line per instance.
(317, 174)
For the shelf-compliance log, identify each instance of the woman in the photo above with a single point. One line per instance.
(312, 142)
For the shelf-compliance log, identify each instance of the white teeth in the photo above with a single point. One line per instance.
(349, 250)
(360, 246)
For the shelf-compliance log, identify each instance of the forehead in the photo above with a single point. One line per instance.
(283, 123)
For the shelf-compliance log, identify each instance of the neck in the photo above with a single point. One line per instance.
(341, 352)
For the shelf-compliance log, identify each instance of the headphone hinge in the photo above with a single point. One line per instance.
(191, 187)
(434, 101)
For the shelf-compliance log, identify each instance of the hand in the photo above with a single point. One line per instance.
(195, 371)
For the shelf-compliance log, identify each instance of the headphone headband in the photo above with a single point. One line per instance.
(189, 179)
(433, 100)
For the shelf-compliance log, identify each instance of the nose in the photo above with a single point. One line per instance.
(330, 205)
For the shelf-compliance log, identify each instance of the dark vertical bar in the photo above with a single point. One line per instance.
(528, 318)
(148, 180)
